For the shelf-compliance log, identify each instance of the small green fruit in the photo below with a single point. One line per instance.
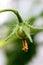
(20, 32)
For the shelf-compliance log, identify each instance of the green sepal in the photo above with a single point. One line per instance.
(33, 30)
(31, 20)
(13, 32)
(27, 32)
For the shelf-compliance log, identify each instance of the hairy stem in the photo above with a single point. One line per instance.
(15, 12)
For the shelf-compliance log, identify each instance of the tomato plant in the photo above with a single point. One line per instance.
(22, 29)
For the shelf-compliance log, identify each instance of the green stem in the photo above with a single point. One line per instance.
(15, 12)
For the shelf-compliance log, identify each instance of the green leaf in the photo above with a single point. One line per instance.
(27, 32)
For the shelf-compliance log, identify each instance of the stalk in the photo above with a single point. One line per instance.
(15, 12)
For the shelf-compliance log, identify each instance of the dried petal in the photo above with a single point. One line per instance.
(25, 45)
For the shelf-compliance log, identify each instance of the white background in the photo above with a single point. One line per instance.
(27, 8)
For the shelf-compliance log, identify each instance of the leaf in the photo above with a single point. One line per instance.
(27, 32)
